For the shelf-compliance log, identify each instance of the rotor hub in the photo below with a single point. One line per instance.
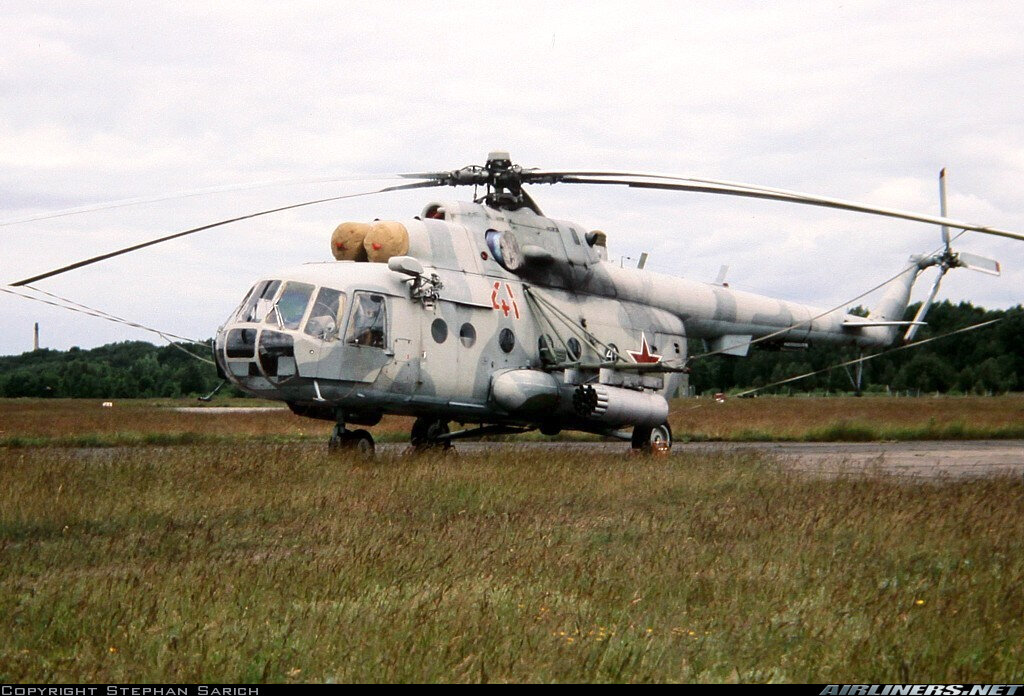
(503, 179)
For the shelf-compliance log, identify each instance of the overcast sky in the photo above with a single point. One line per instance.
(857, 100)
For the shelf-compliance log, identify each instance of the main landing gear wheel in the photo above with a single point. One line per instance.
(652, 440)
(360, 441)
(426, 433)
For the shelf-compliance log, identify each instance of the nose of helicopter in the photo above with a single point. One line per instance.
(256, 346)
(274, 344)
(256, 358)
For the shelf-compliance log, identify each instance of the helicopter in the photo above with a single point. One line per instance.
(491, 314)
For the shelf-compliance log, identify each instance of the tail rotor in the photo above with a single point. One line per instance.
(946, 260)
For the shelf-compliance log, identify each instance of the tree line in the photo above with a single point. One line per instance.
(130, 369)
(989, 360)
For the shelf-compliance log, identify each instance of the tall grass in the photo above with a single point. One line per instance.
(271, 562)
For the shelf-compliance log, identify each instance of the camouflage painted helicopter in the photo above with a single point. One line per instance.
(488, 313)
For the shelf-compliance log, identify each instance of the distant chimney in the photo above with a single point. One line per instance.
(35, 340)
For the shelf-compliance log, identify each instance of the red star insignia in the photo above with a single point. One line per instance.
(644, 355)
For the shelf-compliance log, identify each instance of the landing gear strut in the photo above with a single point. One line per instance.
(360, 441)
(428, 433)
(652, 440)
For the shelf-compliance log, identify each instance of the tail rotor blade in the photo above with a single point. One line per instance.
(942, 207)
(978, 263)
(922, 311)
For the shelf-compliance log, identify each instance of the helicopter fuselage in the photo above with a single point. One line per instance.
(499, 316)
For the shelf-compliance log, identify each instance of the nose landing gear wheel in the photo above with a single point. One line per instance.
(652, 440)
(360, 441)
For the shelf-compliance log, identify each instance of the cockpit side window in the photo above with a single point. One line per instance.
(325, 318)
(368, 326)
(258, 304)
(291, 306)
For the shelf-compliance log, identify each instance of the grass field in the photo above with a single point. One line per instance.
(265, 562)
(244, 552)
(847, 418)
(83, 423)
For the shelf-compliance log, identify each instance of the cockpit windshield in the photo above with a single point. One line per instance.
(291, 306)
(283, 305)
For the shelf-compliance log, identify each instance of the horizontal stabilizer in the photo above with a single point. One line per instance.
(978, 263)
(731, 344)
(869, 324)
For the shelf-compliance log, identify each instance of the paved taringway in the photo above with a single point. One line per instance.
(928, 459)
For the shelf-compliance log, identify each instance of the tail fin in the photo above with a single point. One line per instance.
(889, 311)
(897, 292)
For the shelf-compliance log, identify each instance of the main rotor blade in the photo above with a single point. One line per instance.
(766, 193)
(152, 242)
(474, 175)
(195, 193)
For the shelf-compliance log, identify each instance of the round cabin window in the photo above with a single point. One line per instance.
(439, 330)
(575, 350)
(507, 340)
(467, 334)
